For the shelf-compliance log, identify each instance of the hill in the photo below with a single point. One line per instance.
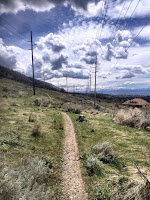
(14, 75)
(34, 132)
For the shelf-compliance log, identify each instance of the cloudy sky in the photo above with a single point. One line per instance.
(70, 35)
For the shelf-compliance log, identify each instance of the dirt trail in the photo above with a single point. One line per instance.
(73, 186)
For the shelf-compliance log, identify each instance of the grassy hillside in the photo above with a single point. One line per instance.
(40, 140)
(17, 141)
(132, 145)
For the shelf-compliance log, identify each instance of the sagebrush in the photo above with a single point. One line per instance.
(133, 117)
(29, 181)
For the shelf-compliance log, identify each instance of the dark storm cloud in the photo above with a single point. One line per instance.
(76, 65)
(58, 62)
(37, 64)
(89, 59)
(128, 75)
(38, 5)
(91, 53)
(46, 58)
(73, 74)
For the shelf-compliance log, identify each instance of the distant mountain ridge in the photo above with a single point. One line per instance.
(17, 76)
(143, 91)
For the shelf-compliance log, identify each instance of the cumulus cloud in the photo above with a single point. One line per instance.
(122, 35)
(7, 56)
(121, 52)
(79, 49)
(51, 41)
(108, 52)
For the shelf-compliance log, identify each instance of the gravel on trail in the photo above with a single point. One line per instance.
(72, 183)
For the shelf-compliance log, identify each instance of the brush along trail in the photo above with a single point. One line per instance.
(72, 183)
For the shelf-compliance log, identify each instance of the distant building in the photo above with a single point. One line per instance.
(140, 103)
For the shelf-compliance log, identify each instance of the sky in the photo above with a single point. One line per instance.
(70, 36)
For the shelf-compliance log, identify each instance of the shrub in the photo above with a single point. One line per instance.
(133, 117)
(13, 104)
(104, 192)
(94, 166)
(5, 89)
(77, 109)
(32, 118)
(10, 139)
(37, 102)
(26, 182)
(105, 153)
(48, 161)
(42, 102)
(45, 103)
(36, 130)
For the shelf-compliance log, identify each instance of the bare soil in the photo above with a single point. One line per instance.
(72, 183)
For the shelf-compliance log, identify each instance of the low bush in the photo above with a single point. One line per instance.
(11, 138)
(75, 108)
(5, 89)
(48, 161)
(104, 192)
(36, 130)
(42, 102)
(13, 104)
(94, 166)
(29, 181)
(124, 190)
(133, 117)
(32, 117)
(105, 153)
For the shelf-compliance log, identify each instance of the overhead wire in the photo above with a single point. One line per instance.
(134, 39)
(127, 11)
(119, 17)
(131, 16)
(19, 35)
(127, 21)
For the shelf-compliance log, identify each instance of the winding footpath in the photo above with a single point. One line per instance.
(72, 183)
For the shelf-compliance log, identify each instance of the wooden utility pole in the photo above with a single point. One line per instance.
(95, 82)
(90, 80)
(67, 82)
(32, 64)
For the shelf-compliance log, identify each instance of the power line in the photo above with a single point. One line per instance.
(127, 21)
(134, 39)
(117, 23)
(11, 27)
(5, 38)
(10, 31)
(131, 15)
(127, 10)
(101, 18)
(19, 35)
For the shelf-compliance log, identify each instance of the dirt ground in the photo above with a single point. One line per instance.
(72, 183)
